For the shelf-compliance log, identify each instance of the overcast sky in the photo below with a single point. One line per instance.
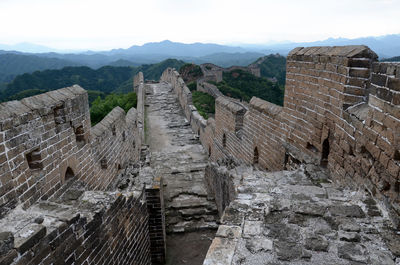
(105, 24)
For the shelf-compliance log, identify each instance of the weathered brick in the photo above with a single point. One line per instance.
(394, 83)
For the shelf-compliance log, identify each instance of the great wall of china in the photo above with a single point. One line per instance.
(316, 181)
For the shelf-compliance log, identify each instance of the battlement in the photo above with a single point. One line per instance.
(47, 139)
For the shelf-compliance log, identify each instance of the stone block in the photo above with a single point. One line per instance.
(229, 231)
(347, 211)
(394, 84)
(29, 236)
(379, 79)
(359, 72)
(6, 242)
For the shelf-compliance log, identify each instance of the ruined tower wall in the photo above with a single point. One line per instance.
(204, 86)
(47, 139)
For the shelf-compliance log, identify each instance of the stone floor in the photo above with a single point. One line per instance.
(286, 218)
(178, 157)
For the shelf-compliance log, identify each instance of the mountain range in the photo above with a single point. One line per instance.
(15, 60)
(385, 46)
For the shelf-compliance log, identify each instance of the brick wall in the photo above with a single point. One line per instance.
(155, 208)
(47, 139)
(204, 86)
(341, 111)
(116, 235)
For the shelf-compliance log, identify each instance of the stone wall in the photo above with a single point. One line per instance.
(341, 111)
(197, 121)
(138, 87)
(204, 86)
(220, 185)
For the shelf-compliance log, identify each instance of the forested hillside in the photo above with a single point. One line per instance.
(12, 64)
(273, 65)
(243, 85)
(392, 59)
(105, 80)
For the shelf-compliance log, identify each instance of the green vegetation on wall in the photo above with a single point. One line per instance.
(190, 72)
(273, 65)
(204, 103)
(243, 85)
(101, 107)
(192, 86)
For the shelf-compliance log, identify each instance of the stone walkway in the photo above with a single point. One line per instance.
(178, 157)
(286, 218)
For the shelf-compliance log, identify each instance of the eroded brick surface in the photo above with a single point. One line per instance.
(286, 217)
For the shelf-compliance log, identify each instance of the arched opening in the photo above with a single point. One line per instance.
(224, 140)
(69, 174)
(209, 151)
(325, 153)
(114, 131)
(198, 132)
(255, 156)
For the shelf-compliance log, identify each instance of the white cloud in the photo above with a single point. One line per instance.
(106, 24)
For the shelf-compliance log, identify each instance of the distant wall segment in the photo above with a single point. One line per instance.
(341, 111)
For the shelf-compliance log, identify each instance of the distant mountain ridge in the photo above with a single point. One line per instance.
(178, 49)
(151, 53)
(385, 46)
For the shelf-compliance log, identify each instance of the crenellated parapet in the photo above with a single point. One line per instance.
(341, 112)
(47, 140)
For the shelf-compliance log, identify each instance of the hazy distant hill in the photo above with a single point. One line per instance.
(122, 62)
(152, 53)
(12, 64)
(177, 49)
(26, 47)
(385, 46)
(392, 59)
(224, 59)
